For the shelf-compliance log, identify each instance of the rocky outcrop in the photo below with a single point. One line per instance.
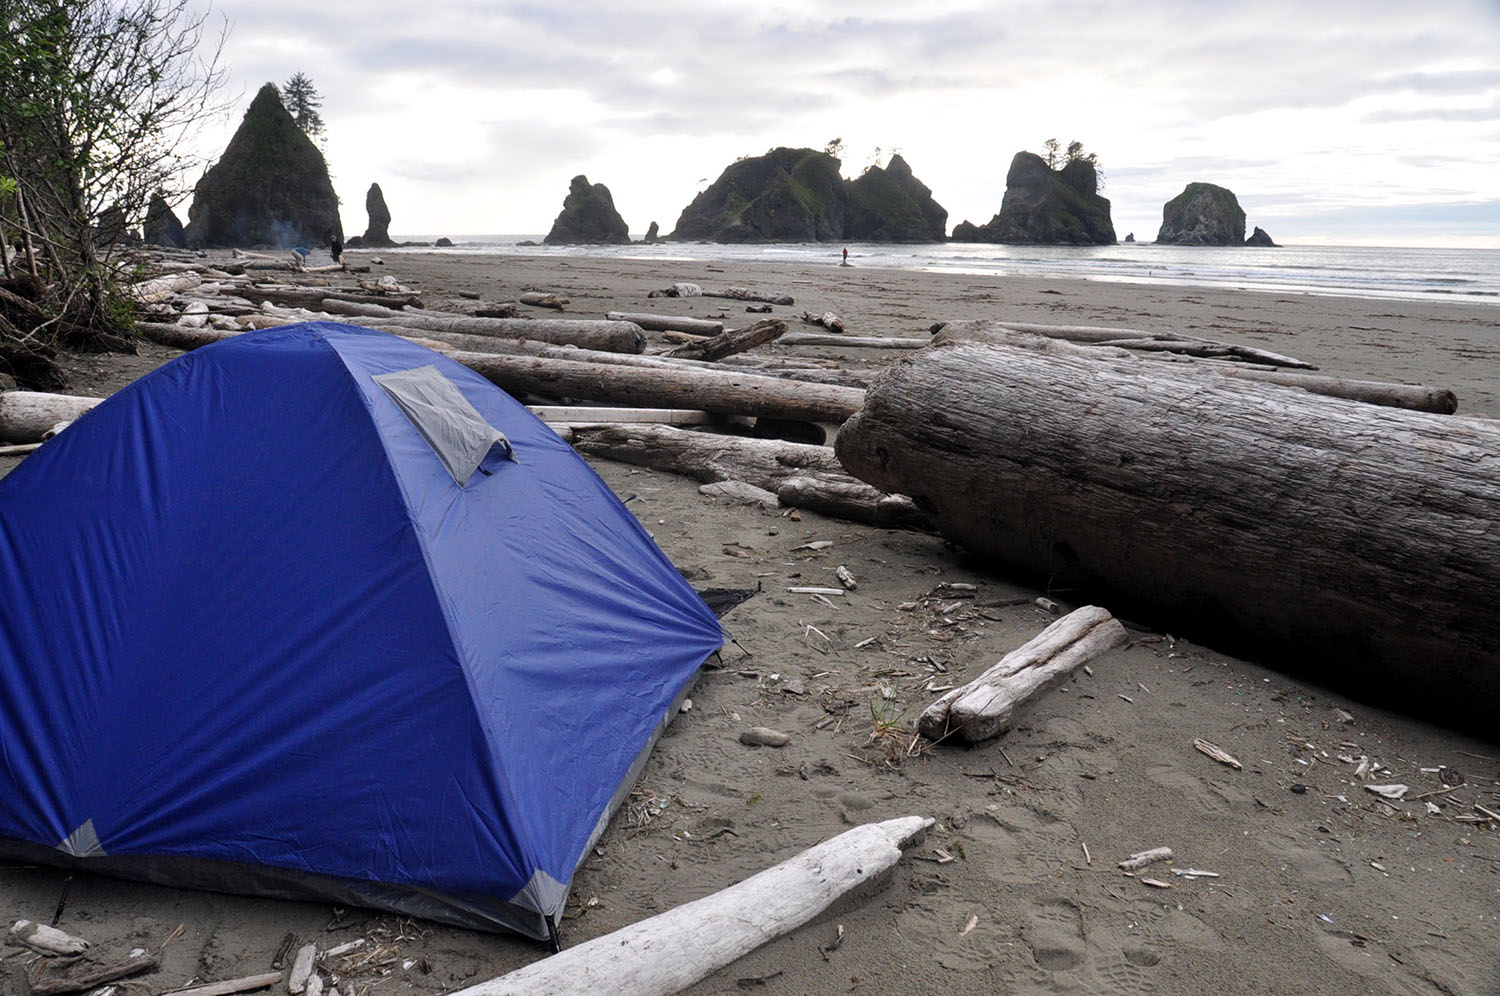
(378, 233)
(1260, 238)
(588, 217)
(162, 227)
(1044, 206)
(653, 234)
(786, 195)
(270, 187)
(1202, 215)
(1130, 237)
(892, 205)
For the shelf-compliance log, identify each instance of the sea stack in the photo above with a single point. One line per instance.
(377, 234)
(786, 195)
(270, 187)
(162, 227)
(1044, 206)
(892, 205)
(1204, 214)
(1260, 238)
(588, 217)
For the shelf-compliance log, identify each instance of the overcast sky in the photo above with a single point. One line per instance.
(1339, 121)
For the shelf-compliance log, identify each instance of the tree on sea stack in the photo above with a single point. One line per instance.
(98, 96)
(302, 102)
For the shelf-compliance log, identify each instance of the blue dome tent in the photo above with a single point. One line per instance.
(318, 613)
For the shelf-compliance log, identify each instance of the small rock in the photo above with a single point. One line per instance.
(762, 736)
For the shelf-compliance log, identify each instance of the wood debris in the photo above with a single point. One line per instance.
(1218, 753)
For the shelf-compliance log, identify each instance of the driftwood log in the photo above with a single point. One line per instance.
(746, 294)
(1414, 397)
(312, 297)
(799, 474)
(668, 323)
(608, 337)
(163, 287)
(1358, 540)
(982, 708)
(28, 416)
(542, 299)
(867, 341)
(725, 392)
(669, 952)
(728, 343)
(1174, 342)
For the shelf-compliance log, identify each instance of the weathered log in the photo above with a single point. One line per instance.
(48, 940)
(1348, 535)
(1414, 397)
(313, 297)
(163, 287)
(724, 392)
(669, 952)
(668, 323)
(867, 341)
(728, 343)
(358, 309)
(1137, 339)
(27, 416)
(540, 299)
(609, 337)
(229, 987)
(827, 320)
(746, 294)
(582, 414)
(799, 474)
(982, 708)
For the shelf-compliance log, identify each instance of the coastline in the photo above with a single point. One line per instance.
(1324, 887)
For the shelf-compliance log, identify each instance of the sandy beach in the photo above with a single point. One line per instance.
(1321, 886)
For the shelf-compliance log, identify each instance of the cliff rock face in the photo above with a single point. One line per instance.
(786, 195)
(588, 217)
(378, 234)
(1043, 206)
(162, 227)
(270, 187)
(1260, 238)
(892, 205)
(1202, 215)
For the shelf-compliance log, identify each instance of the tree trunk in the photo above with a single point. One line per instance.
(746, 294)
(1340, 533)
(799, 474)
(710, 390)
(669, 952)
(1146, 341)
(982, 708)
(609, 337)
(1415, 397)
(161, 288)
(27, 416)
(729, 343)
(312, 297)
(868, 341)
(668, 323)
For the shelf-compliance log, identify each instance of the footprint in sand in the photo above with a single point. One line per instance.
(1054, 931)
(1209, 794)
(1309, 864)
(1015, 843)
(938, 927)
(1070, 959)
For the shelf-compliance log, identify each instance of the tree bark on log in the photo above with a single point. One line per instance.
(868, 341)
(668, 323)
(982, 708)
(608, 337)
(1411, 396)
(800, 474)
(1146, 341)
(669, 952)
(1363, 541)
(746, 294)
(710, 390)
(729, 343)
(27, 416)
(312, 297)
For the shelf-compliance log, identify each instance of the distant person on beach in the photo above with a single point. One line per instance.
(846, 256)
(336, 248)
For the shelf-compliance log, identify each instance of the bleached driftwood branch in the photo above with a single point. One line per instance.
(668, 953)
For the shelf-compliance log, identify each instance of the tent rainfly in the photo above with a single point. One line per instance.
(318, 613)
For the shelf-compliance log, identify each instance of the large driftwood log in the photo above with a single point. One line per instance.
(724, 392)
(746, 294)
(982, 708)
(313, 297)
(27, 416)
(669, 952)
(729, 343)
(1414, 397)
(1347, 534)
(608, 337)
(1173, 342)
(668, 323)
(867, 341)
(799, 474)
(163, 287)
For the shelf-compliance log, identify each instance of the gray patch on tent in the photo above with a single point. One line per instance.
(544, 894)
(453, 427)
(83, 842)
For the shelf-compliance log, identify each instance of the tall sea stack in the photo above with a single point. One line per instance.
(1044, 206)
(270, 187)
(588, 217)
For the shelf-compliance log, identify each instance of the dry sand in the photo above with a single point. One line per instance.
(1322, 887)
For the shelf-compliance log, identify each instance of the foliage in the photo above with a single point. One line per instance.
(834, 148)
(99, 95)
(302, 101)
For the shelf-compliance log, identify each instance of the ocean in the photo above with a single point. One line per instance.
(1446, 275)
